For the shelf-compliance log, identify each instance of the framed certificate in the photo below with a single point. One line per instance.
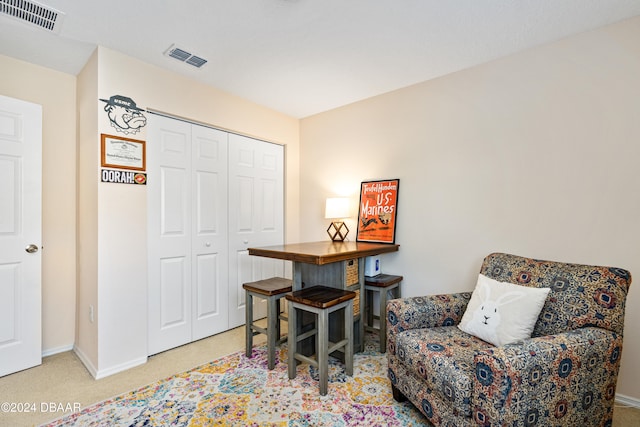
(122, 153)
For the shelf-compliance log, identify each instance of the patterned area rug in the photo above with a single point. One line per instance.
(237, 391)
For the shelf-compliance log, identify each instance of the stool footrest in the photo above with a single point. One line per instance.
(312, 360)
(258, 330)
(307, 334)
(306, 359)
(333, 347)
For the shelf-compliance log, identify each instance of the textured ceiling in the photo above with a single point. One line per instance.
(303, 57)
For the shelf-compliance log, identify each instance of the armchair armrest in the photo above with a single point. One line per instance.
(561, 379)
(424, 312)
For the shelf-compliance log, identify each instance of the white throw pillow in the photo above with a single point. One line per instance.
(502, 313)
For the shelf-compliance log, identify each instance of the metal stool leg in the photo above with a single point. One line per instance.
(248, 324)
(277, 315)
(384, 299)
(292, 341)
(272, 322)
(348, 335)
(369, 295)
(383, 320)
(322, 348)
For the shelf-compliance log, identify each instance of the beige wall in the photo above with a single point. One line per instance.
(113, 275)
(535, 154)
(87, 223)
(56, 92)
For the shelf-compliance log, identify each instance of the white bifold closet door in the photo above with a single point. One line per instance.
(211, 195)
(188, 254)
(256, 218)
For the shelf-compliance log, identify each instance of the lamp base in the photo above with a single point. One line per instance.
(338, 231)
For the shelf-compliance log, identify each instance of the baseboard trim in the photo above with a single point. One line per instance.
(85, 361)
(627, 400)
(102, 373)
(119, 368)
(52, 351)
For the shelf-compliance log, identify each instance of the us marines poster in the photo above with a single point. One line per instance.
(377, 211)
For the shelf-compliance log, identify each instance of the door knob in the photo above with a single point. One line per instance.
(32, 249)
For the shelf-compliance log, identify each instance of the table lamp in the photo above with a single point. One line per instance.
(337, 208)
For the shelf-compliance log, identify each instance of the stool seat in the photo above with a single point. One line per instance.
(382, 280)
(320, 296)
(383, 284)
(269, 287)
(322, 301)
(273, 290)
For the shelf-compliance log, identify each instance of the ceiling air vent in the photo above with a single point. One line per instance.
(184, 56)
(33, 13)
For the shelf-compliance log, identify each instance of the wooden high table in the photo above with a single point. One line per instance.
(335, 264)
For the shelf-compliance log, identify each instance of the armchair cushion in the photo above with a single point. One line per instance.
(443, 358)
(502, 313)
(568, 379)
(581, 295)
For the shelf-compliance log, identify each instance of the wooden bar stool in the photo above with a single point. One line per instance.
(383, 284)
(322, 301)
(272, 289)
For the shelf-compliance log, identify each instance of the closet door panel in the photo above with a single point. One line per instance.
(207, 300)
(174, 291)
(270, 216)
(244, 205)
(174, 218)
(210, 232)
(256, 205)
(169, 234)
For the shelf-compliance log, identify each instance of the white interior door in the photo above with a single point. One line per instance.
(188, 250)
(256, 217)
(20, 235)
(210, 257)
(169, 233)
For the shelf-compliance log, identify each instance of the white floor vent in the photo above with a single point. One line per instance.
(184, 56)
(33, 13)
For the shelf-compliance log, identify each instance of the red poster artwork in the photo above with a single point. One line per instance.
(377, 211)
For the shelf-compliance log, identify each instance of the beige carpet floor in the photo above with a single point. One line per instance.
(62, 382)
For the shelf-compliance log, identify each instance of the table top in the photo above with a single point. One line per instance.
(323, 252)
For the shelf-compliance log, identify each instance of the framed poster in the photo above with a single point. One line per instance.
(377, 211)
(122, 153)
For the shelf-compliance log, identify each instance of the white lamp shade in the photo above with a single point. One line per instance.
(337, 208)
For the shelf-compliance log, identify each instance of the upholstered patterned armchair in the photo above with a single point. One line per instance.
(565, 375)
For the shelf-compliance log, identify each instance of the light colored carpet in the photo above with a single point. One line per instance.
(236, 391)
(62, 382)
